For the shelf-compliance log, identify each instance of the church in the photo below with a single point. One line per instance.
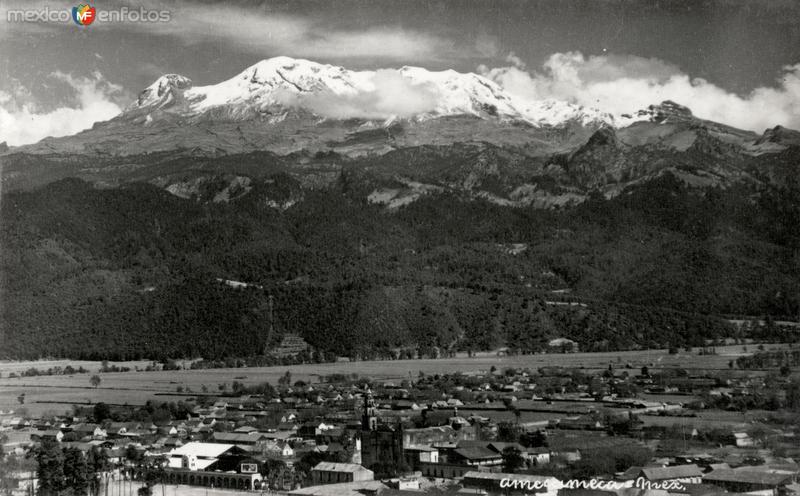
(381, 443)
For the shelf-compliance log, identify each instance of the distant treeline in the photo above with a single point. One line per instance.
(33, 371)
(770, 359)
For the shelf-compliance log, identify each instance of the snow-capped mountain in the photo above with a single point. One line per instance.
(291, 106)
(282, 83)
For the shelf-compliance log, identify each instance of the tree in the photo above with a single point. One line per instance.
(76, 471)
(286, 380)
(101, 411)
(50, 471)
(98, 462)
(533, 439)
(152, 472)
(508, 432)
(95, 380)
(512, 459)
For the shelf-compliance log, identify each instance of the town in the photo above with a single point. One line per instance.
(559, 430)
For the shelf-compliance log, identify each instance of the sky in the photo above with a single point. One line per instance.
(736, 62)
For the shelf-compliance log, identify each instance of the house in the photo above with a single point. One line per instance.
(678, 473)
(286, 451)
(742, 440)
(89, 430)
(334, 473)
(475, 456)
(563, 345)
(245, 429)
(329, 436)
(310, 430)
(170, 442)
(415, 455)
(253, 439)
(119, 429)
(538, 455)
(585, 422)
(438, 434)
(53, 434)
(287, 426)
(498, 446)
(405, 405)
(749, 481)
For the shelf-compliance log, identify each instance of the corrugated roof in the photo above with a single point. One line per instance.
(339, 467)
(748, 477)
(676, 472)
(237, 437)
(201, 450)
(343, 489)
(498, 476)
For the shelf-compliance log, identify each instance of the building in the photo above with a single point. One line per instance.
(93, 431)
(475, 456)
(253, 439)
(537, 455)
(436, 434)
(563, 345)
(213, 465)
(415, 455)
(680, 473)
(52, 434)
(746, 481)
(336, 473)
(362, 488)
(379, 442)
(291, 345)
(528, 484)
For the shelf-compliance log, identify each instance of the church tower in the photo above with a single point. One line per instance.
(381, 444)
(369, 418)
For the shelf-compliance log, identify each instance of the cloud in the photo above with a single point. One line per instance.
(259, 30)
(393, 95)
(22, 121)
(299, 36)
(624, 84)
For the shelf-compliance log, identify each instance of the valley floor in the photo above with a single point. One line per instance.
(56, 393)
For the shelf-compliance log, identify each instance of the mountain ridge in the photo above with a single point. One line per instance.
(455, 232)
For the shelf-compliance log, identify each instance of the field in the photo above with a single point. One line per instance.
(57, 393)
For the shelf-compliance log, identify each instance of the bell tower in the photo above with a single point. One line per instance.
(369, 419)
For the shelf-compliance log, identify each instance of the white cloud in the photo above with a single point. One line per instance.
(22, 122)
(259, 30)
(624, 84)
(394, 95)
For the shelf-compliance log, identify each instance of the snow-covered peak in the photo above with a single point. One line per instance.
(163, 90)
(282, 83)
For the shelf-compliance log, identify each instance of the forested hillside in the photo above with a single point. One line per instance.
(135, 272)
